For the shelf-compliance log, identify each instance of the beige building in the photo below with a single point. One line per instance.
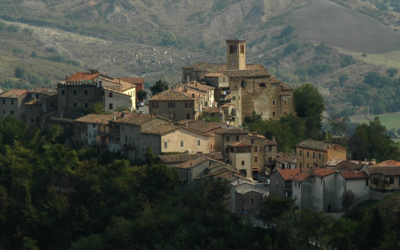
(312, 153)
(389, 173)
(260, 91)
(13, 103)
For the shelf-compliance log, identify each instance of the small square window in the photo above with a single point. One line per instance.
(118, 138)
(110, 95)
(227, 138)
(110, 106)
(4, 101)
(252, 141)
(32, 119)
(242, 163)
(256, 159)
(165, 144)
(198, 142)
(37, 96)
(75, 105)
(86, 105)
(12, 102)
(52, 104)
(86, 92)
(237, 138)
(62, 92)
(12, 112)
(182, 144)
(111, 138)
(391, 180)
(75, 92)
(273, 113)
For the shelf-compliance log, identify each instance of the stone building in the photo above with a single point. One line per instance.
(42, 103)
(312, 153)
(174, 105)
(261, 92)
(285, 161)
(281, 182)
(250, 153)
(13, 103)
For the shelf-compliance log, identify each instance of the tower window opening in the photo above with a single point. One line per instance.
(233, 49)
(242, 49)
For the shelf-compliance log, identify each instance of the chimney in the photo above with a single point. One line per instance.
(373, 161)
(273, 138)
(114, 116)
(254, 133)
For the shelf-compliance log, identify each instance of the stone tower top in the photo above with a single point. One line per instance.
(236, 53)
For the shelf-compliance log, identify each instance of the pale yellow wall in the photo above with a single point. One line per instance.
(310, 160)
(239, 58)
(132, 93)
(237, 159)
(190, 141)
(336, 153)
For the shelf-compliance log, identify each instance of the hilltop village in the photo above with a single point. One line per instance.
(179, 129)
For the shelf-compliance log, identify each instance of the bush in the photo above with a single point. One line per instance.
(291, 48)
(17, 50)
(322, 49)
(12, 29)
(343, 78)
(347, 60)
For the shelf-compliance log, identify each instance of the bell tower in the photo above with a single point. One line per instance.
(236, 54)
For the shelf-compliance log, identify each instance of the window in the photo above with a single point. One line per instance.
(12, 102)
(308, 165)
(227, 150)
(273, 102)
(252, 141)
(118, 139)
(75, 92)
(188, 104)
(4, 101)
(273, 113)
(319, 156)
(223, 79)
(117, 126)
(110, 125)
(154, 104)
(52, 104)
(110, 106)
(231, 149)
(367, 183)
(171, 105)
(284, 102)
(234, 98)
(198, 143)
(300, 152)
(75, 105)
(270, 148)
(277, 183)
(301, 165)
(32, 119)
(270, 159)
(188, 116)
(62, 92)
(313, 155)
(94, 125)
(86, 92)
(242, 49)
(233, 49)
(255, 149)
(110, 94)
(295, 184)
(391, 180)
(256, 159)
(182, 144)
(237, 138)
(308, 154)
(4, 112)
(227, 138)
(227, 161)
(165, 144)
(86, 105)
(110, 138)
(242, 163)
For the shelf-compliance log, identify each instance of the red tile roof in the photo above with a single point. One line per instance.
(386, 171)
(14, 93)
(213, 74)
(321, 172)
(287, 174)
(387, 163)
(355, 175)
(301, 177)
(171, 95)
(82, 76)
(136, 118)
(133, 80)
(116, 91)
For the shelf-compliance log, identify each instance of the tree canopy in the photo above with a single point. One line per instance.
(159, 87)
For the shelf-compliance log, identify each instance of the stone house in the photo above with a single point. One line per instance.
(389, 173)
(13, 103)
(312, 153)
(261, 92)
(285, 161)
(173, 105)
(247, 200)
(42, 103)
(281, 182)
(206, 127)
(249, 152)
(208, 91)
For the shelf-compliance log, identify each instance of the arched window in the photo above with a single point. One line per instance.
(262, 85)
(273, 102)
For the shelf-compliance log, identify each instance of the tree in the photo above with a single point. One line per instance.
(141, 95)
(20, 72)
(343, 78)
(151, 158)
(159, 87)
(341, 232)
(348, 199)
(275, 208)
(376, 229)
(97, 109)
(309, 104)
(392, 72)
(376, 181)
(338, 125)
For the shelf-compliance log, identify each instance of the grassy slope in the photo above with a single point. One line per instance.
(390, 120)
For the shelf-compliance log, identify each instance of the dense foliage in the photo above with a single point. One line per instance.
(159, 87)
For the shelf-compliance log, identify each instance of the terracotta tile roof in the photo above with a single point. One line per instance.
(45, 91)
(256, 135)
(240, 144)
(205, 126)
(183, 122)
(321, 172)
(317, 145)
(283, 157)
(301, 177)
(171, 95)
(82, 76)
(386, 171)
(213, 110)
(287, 174)
(230, 131)
(14, 93)
(161, 129)
(214, 74)
(133, 80)
(136, 118)
(199, 86)
(186, 157)
(34, 102)
(192, 163)
(96, 119)
(191, 92)
(355, 175)
(230, 176)
(387, 163)
(215, 165)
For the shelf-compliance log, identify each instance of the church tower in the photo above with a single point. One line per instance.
(236, 54)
